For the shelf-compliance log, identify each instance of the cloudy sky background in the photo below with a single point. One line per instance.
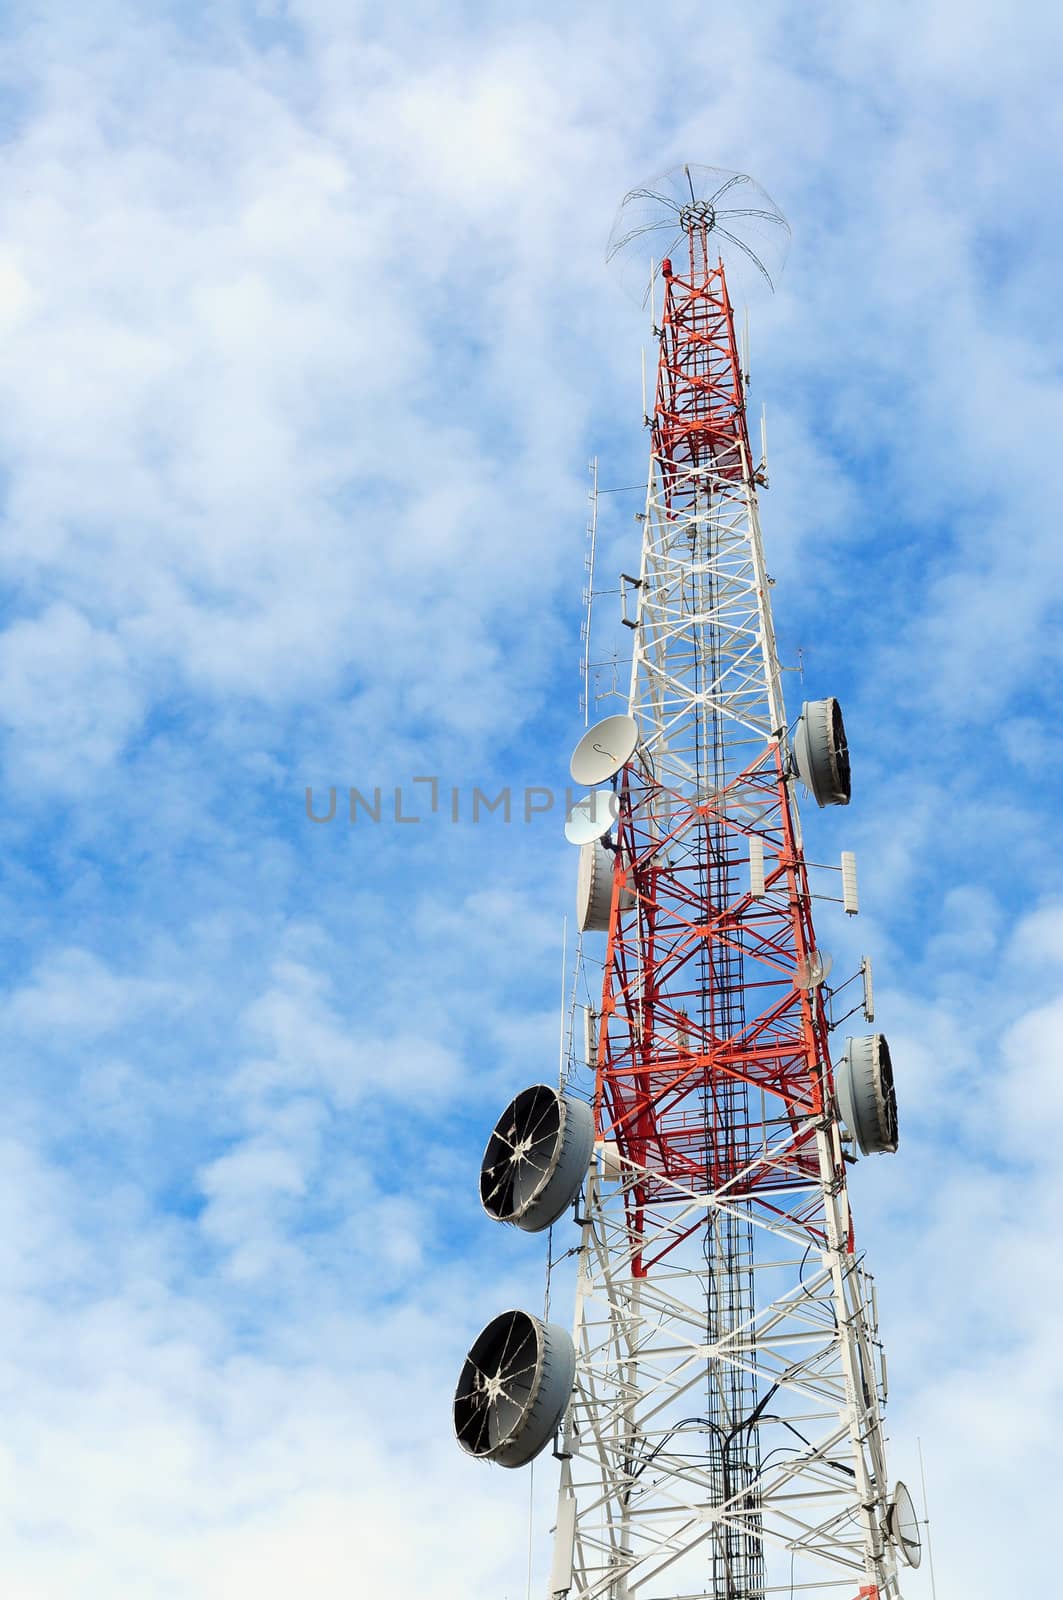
(305, 342)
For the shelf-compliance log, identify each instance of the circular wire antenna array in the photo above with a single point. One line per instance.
(903, 1526)
(536, 1158)
(867, 1099)
(729, 216)
(592, 817)
(594, 889)
(604, 749)
(514, 1389)
(821, 753)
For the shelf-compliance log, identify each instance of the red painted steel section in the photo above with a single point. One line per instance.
(696, 950)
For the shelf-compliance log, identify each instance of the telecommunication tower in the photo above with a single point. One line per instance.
(717, 1410)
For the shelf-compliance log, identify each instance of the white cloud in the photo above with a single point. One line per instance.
(69, 700)
(1037, 940)
(74, 992)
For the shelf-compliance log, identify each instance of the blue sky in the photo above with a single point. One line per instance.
(306, 339)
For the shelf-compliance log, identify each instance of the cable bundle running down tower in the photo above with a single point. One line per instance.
(717, 1411)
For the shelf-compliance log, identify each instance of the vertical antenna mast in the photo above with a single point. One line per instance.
(717, 1409)
(588, 594)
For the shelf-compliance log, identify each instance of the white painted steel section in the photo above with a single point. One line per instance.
(703, 571)
(644, 1507)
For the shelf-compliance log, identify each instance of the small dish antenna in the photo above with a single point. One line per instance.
(814, 969)
(903, 1526)
(592, 817)
(604, 749)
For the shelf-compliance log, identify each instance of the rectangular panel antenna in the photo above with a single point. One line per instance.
(564, 1544)
(869, 994)
(590, 1042)
(756, 866)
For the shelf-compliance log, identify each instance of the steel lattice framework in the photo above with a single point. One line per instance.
(725, 1435)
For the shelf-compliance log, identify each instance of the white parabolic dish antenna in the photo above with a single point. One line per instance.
(604, 749)
(592, 817)
(904, 1526)
(814, 969)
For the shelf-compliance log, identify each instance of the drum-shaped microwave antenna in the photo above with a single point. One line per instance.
(536, 1158)
(903, 1526)
(594, 889)
(821, 754)
(514, 1389)
(604, 749)
(592, 817)
(867, 1100)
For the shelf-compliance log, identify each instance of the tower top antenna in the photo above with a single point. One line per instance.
(730, 215)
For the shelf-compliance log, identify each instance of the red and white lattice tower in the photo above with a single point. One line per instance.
(717, 1412)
